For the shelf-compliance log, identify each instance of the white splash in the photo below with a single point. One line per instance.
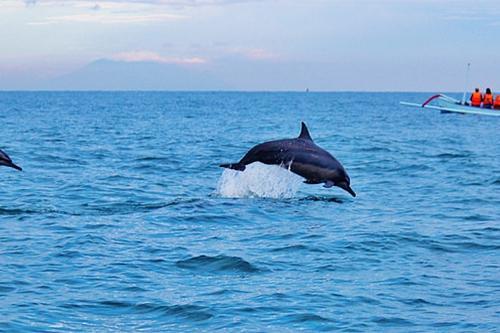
(259, 180)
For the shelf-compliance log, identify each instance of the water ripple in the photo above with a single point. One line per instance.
(220, 263)
(113, 307)
(122, 220)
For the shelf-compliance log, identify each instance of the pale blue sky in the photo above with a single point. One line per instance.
(416, 45)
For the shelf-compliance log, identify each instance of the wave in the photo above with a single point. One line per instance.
(473, 246)
(412, 168)
(449, 156)
(399, 281)
(258, 181)
(298, 247)
(393, 321)
(445, 244)
(324, 199)
(19, 211)
(131, 206)
(376, 150)
(220, 263)
(101, 208)
(186, 311)
(153, 159)
(418, 302)
(307, 317)
(477, 217)
(6, 289)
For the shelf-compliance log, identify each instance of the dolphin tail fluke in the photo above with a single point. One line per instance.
(234, 166)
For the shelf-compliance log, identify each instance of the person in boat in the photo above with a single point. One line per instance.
(496, 104)
(487, 99)
(476, 98)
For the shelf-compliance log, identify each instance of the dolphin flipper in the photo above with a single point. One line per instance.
(311, 181)
(328, 184)
(234, 166)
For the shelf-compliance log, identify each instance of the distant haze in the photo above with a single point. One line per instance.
(259, 45)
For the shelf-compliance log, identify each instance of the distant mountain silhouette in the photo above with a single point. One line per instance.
(230, 73)
(120, 75)
(236, 73)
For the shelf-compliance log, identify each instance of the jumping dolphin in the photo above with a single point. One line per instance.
(5, 160)
(301, 156)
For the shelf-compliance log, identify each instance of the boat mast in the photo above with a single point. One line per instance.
(466, 83)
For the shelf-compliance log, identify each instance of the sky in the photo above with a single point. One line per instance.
(322, 45)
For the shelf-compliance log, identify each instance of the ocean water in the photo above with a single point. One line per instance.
(122, 220)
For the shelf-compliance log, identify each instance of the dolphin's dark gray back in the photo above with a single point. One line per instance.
(285, 151)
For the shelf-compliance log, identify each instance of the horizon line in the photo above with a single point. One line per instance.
(230, 91)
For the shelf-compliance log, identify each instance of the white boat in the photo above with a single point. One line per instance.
(448, 104)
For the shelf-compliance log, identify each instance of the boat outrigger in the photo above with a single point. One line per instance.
(448, 104)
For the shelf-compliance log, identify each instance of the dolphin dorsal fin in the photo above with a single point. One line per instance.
(304, 133)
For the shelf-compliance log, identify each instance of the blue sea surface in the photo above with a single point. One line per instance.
(121, 222)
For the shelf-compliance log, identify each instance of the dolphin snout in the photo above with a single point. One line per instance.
(347, 188)
(10, 164)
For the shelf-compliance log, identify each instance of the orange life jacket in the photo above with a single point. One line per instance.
(497, 102)
(476, 99)
(488, 99)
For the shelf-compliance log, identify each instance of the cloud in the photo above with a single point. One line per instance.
(176, 3)
(148, 56)
(473, 14)
(108, 18)
(251, 53)
(259, 54)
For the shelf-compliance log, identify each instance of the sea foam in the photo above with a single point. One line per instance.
(258, 180)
